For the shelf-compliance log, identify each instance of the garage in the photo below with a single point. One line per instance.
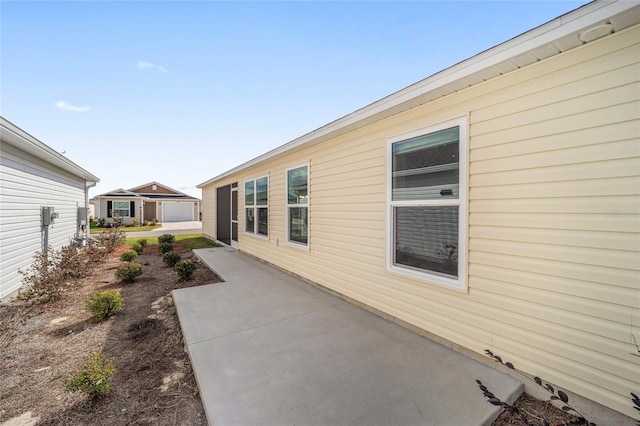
(177, 211)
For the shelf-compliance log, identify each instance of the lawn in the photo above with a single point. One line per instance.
(190, 241)
(97, 230)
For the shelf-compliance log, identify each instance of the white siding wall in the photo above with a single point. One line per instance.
(554, 220)
(27, 184)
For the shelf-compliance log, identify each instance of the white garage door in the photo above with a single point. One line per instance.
(177, 212)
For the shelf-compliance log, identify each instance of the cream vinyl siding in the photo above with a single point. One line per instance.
(26, 185)
(553, 234)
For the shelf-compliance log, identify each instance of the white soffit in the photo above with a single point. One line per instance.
(554, 37)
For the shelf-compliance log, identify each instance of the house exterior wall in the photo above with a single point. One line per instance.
(553, 235)
(26, 185)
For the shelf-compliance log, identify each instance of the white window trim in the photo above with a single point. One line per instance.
(128, 208)
(287, 205)
(461, 282)
(255, 207)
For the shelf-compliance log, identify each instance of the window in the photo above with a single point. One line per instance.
(298, 205)
(120, 208)
(256, 206)
(427, 204)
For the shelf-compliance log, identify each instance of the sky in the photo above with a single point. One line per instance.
(179, 92)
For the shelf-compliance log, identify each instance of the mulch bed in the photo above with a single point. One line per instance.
(41, 344)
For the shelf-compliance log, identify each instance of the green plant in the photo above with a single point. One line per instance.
(135, 222)
(100, 222)
(170, 258)
(129, 271)
(129, 255)
(117, 219)
(164, 247)
(137, 247)
(103, 304)
(185, 269)
(142, 242)
(556, 395)
(166, 238)
(93, 378)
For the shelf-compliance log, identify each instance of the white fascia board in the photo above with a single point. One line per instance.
(15, 136)
(569, 23)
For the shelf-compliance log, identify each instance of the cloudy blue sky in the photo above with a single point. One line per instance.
(178, 92)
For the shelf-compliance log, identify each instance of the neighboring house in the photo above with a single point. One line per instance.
(43, 202)
(147, 202)
(493, 205)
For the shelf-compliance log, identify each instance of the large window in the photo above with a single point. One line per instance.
(256, 206)
(427, 203)
(121, 208)
(298, 205)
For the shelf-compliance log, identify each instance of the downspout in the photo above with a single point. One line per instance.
(88, 185)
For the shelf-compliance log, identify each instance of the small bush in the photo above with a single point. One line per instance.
(100, 222)
(135, 222)
(54, 271)
(93, 377)
(129, 271)
(142, 242)
(166, 238)
(109, 240)
(129, 255)
(170, 258)
(103, 304)
(137, 247)
(164, 247)
(185, 269)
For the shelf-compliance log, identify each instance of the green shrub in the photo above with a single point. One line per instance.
(100, 222)
(170, 258)
(137, 247)
(93, 377)
(185, 269)
(103, 304)
(164, 247)
(129, 271)
(129, 255)
(142, 242)
(166, 238)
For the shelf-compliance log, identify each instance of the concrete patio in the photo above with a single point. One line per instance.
(270, 349)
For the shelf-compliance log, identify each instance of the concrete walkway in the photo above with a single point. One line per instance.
(269, 349)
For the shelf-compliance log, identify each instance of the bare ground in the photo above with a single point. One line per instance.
(40, 345)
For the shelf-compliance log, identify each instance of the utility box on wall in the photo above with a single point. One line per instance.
(82, 216)
(48, 214)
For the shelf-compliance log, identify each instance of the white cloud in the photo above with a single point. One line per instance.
(142, 65)
(62, 105)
